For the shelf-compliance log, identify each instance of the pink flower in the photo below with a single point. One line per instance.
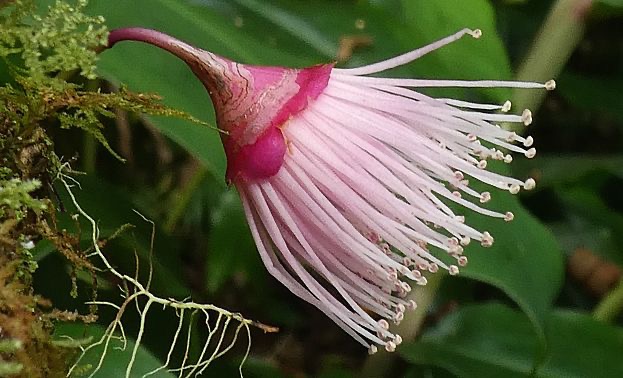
(346, 178)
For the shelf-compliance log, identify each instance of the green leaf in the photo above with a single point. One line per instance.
(600, 94)
(478, 341)
(294, 24)
(42, 250)
(582, 347)
(116, 360)
(606, 223)
(566, 169)
(525, 260)
(315, 28)
(611, 3)
(495, 341)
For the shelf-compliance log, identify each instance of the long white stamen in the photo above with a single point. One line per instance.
(423, 83)
(408, 57)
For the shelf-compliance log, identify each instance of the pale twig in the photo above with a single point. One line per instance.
(205, 345)
(132, 291)
(139, 337)
(248, 351)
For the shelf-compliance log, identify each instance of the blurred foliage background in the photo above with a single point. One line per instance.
(544, 301)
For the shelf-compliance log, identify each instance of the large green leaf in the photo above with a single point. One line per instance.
(294, 24)
(525, 260)
(558, 170)
(599, 94)
(495, 341)
(580, 346)
(595, 215)
(612, 3)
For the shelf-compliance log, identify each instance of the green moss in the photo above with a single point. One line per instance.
(63, 39)
(15, 198)
(52, 57)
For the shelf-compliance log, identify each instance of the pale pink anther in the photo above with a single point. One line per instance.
(352, 176)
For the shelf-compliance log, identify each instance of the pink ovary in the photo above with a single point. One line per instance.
(264, 99)
(259, 160)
